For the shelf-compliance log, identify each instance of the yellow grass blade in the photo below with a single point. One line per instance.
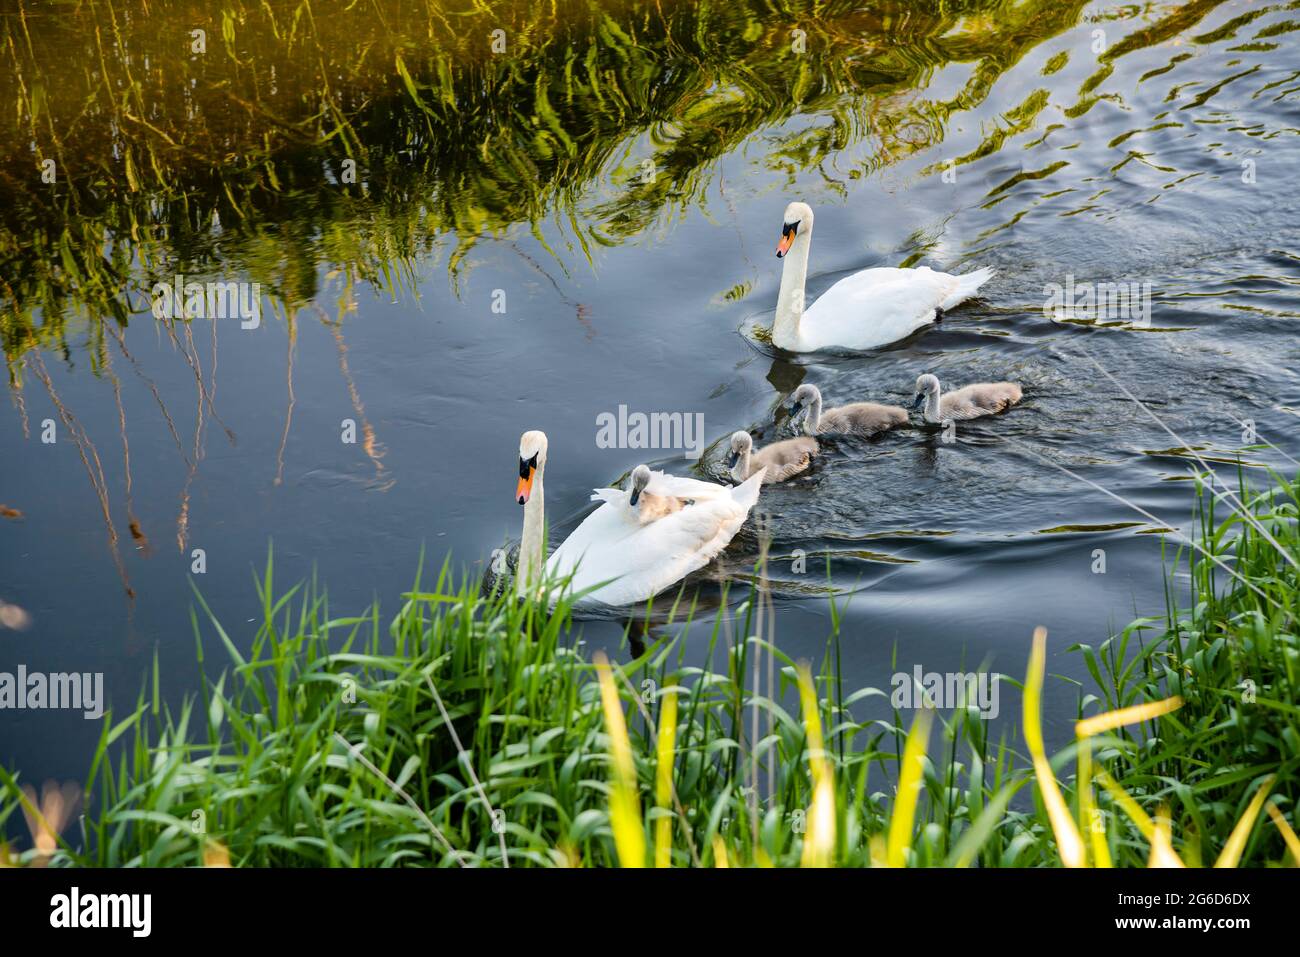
(624, 802)
(1089, 813)
(1231, 852)
(1162, 845)
(720, 852)
(878, 851)
(819, 841)
(1288, 835)
(215, 855)
(910, 780)
(819, 837)
(1069, 842)
(1131, 715)
(664, 778)
(1128, 805)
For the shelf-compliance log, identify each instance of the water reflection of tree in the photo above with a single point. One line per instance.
(231, 160)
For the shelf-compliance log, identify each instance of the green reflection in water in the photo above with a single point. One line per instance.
(227, 154)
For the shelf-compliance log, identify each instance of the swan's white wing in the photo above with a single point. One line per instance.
(620, 501)
(643, 561)
(606, 526)
(878, 306)
(873, 308)
(677, 486)
(612, 495)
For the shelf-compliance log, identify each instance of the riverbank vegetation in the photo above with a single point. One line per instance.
(473, 729)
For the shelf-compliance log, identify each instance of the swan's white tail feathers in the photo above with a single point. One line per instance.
(967, 285)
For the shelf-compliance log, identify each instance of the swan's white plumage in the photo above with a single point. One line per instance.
(680, 486)
(639, 561)
(875, 307)
(866, 310)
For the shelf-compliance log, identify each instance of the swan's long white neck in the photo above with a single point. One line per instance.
(532, 552)
(932, 405)
(790, 300)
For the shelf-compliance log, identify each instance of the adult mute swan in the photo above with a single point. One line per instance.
(866, 310)
(634, 560)
(780, 460)
(856, 418)
(969, 402)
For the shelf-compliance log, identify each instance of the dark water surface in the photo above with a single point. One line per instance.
(1170, 157)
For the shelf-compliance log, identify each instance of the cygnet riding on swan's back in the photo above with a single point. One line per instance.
(969, 402)
(614, 555)
(856, 418)
(646, 507)
(780, 460)
(866, 310)
(652, 495)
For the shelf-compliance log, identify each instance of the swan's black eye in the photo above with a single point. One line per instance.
(526, 465)
(789, 228)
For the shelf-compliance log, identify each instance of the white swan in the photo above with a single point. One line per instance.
(968, 402)
(866, 310)
(856, 418)
(780, 460)
(628, 560)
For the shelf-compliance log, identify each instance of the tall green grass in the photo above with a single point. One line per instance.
(472, 729)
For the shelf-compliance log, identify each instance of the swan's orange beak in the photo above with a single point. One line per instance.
(787, 239)
(525, 488)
